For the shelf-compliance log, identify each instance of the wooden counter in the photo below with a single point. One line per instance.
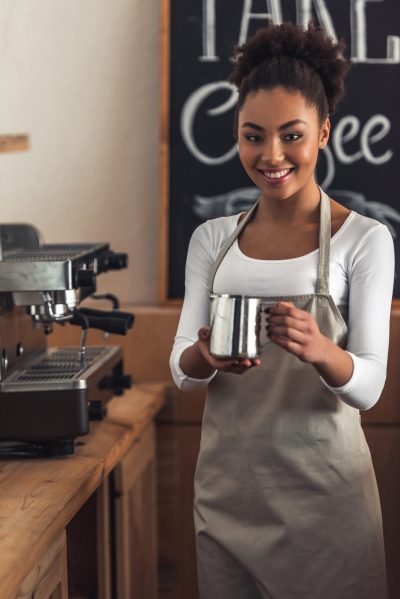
(40, 497)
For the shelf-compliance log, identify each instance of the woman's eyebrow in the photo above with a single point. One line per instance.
(280, 128)
(253, 126)
(291, 123)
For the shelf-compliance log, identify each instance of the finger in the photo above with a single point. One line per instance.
(289, 321)
(249, 363)
(226, 364)
(291, 346)
(280, 304)
(290, 309)
(204, 333)
(245, 362)
(223, 364)
(238, 370)
(215, 362)
(241, 369)
(254, 362)
(284, 331)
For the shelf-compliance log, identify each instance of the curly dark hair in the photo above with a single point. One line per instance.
(297, 59)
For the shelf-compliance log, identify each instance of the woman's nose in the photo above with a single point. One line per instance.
(272, 152)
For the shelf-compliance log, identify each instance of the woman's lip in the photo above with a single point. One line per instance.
(276, 181)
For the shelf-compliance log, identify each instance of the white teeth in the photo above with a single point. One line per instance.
(276, 174)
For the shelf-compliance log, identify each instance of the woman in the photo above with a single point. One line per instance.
(286, 503)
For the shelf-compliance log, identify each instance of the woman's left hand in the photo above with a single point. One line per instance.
(296, 331)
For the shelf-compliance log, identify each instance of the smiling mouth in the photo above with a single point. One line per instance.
(276, 175)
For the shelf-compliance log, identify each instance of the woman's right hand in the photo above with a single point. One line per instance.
(235, 365)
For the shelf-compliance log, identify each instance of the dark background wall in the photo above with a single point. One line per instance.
(360, 168)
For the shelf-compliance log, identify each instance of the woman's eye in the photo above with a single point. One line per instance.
(253, 138)
(292, 137)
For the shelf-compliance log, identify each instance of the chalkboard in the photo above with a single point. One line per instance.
(203, 177)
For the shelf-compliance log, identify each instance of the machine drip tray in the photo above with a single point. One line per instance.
(48, 400)
(59, 368)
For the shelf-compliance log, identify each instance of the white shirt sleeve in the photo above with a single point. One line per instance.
(371, 276)
(195, 309)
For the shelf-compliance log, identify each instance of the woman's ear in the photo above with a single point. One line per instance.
(324, 133)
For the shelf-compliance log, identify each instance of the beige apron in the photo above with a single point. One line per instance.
(286, 502)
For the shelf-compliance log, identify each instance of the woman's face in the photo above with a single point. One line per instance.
(279, 138)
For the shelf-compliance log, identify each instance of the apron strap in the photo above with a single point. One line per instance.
(324, 244)
(227, 244)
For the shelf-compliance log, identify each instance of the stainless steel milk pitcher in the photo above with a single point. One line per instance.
(235, 326)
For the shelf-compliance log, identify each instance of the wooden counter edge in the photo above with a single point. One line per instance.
(127, 417)
(138, 406)
(15, 566)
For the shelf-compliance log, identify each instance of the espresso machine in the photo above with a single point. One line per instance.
(48, 395)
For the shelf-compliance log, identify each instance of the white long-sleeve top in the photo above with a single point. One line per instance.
(361, 281)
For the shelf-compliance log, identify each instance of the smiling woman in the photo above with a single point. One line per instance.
(286, 502)
(278, 147)
(279, 137)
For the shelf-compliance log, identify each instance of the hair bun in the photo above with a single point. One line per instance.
(311, 46)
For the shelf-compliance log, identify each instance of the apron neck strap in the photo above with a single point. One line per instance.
(227, 244)
(324, 244)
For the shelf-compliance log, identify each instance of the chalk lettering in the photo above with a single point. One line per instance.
(304, 15)
(274, 14)
(192, 105)
(349, 127)
(358, 22)
(382, 123)
(208, 32)
(330, 167)
(346, 129)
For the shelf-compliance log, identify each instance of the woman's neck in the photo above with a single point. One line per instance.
(303, 207)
